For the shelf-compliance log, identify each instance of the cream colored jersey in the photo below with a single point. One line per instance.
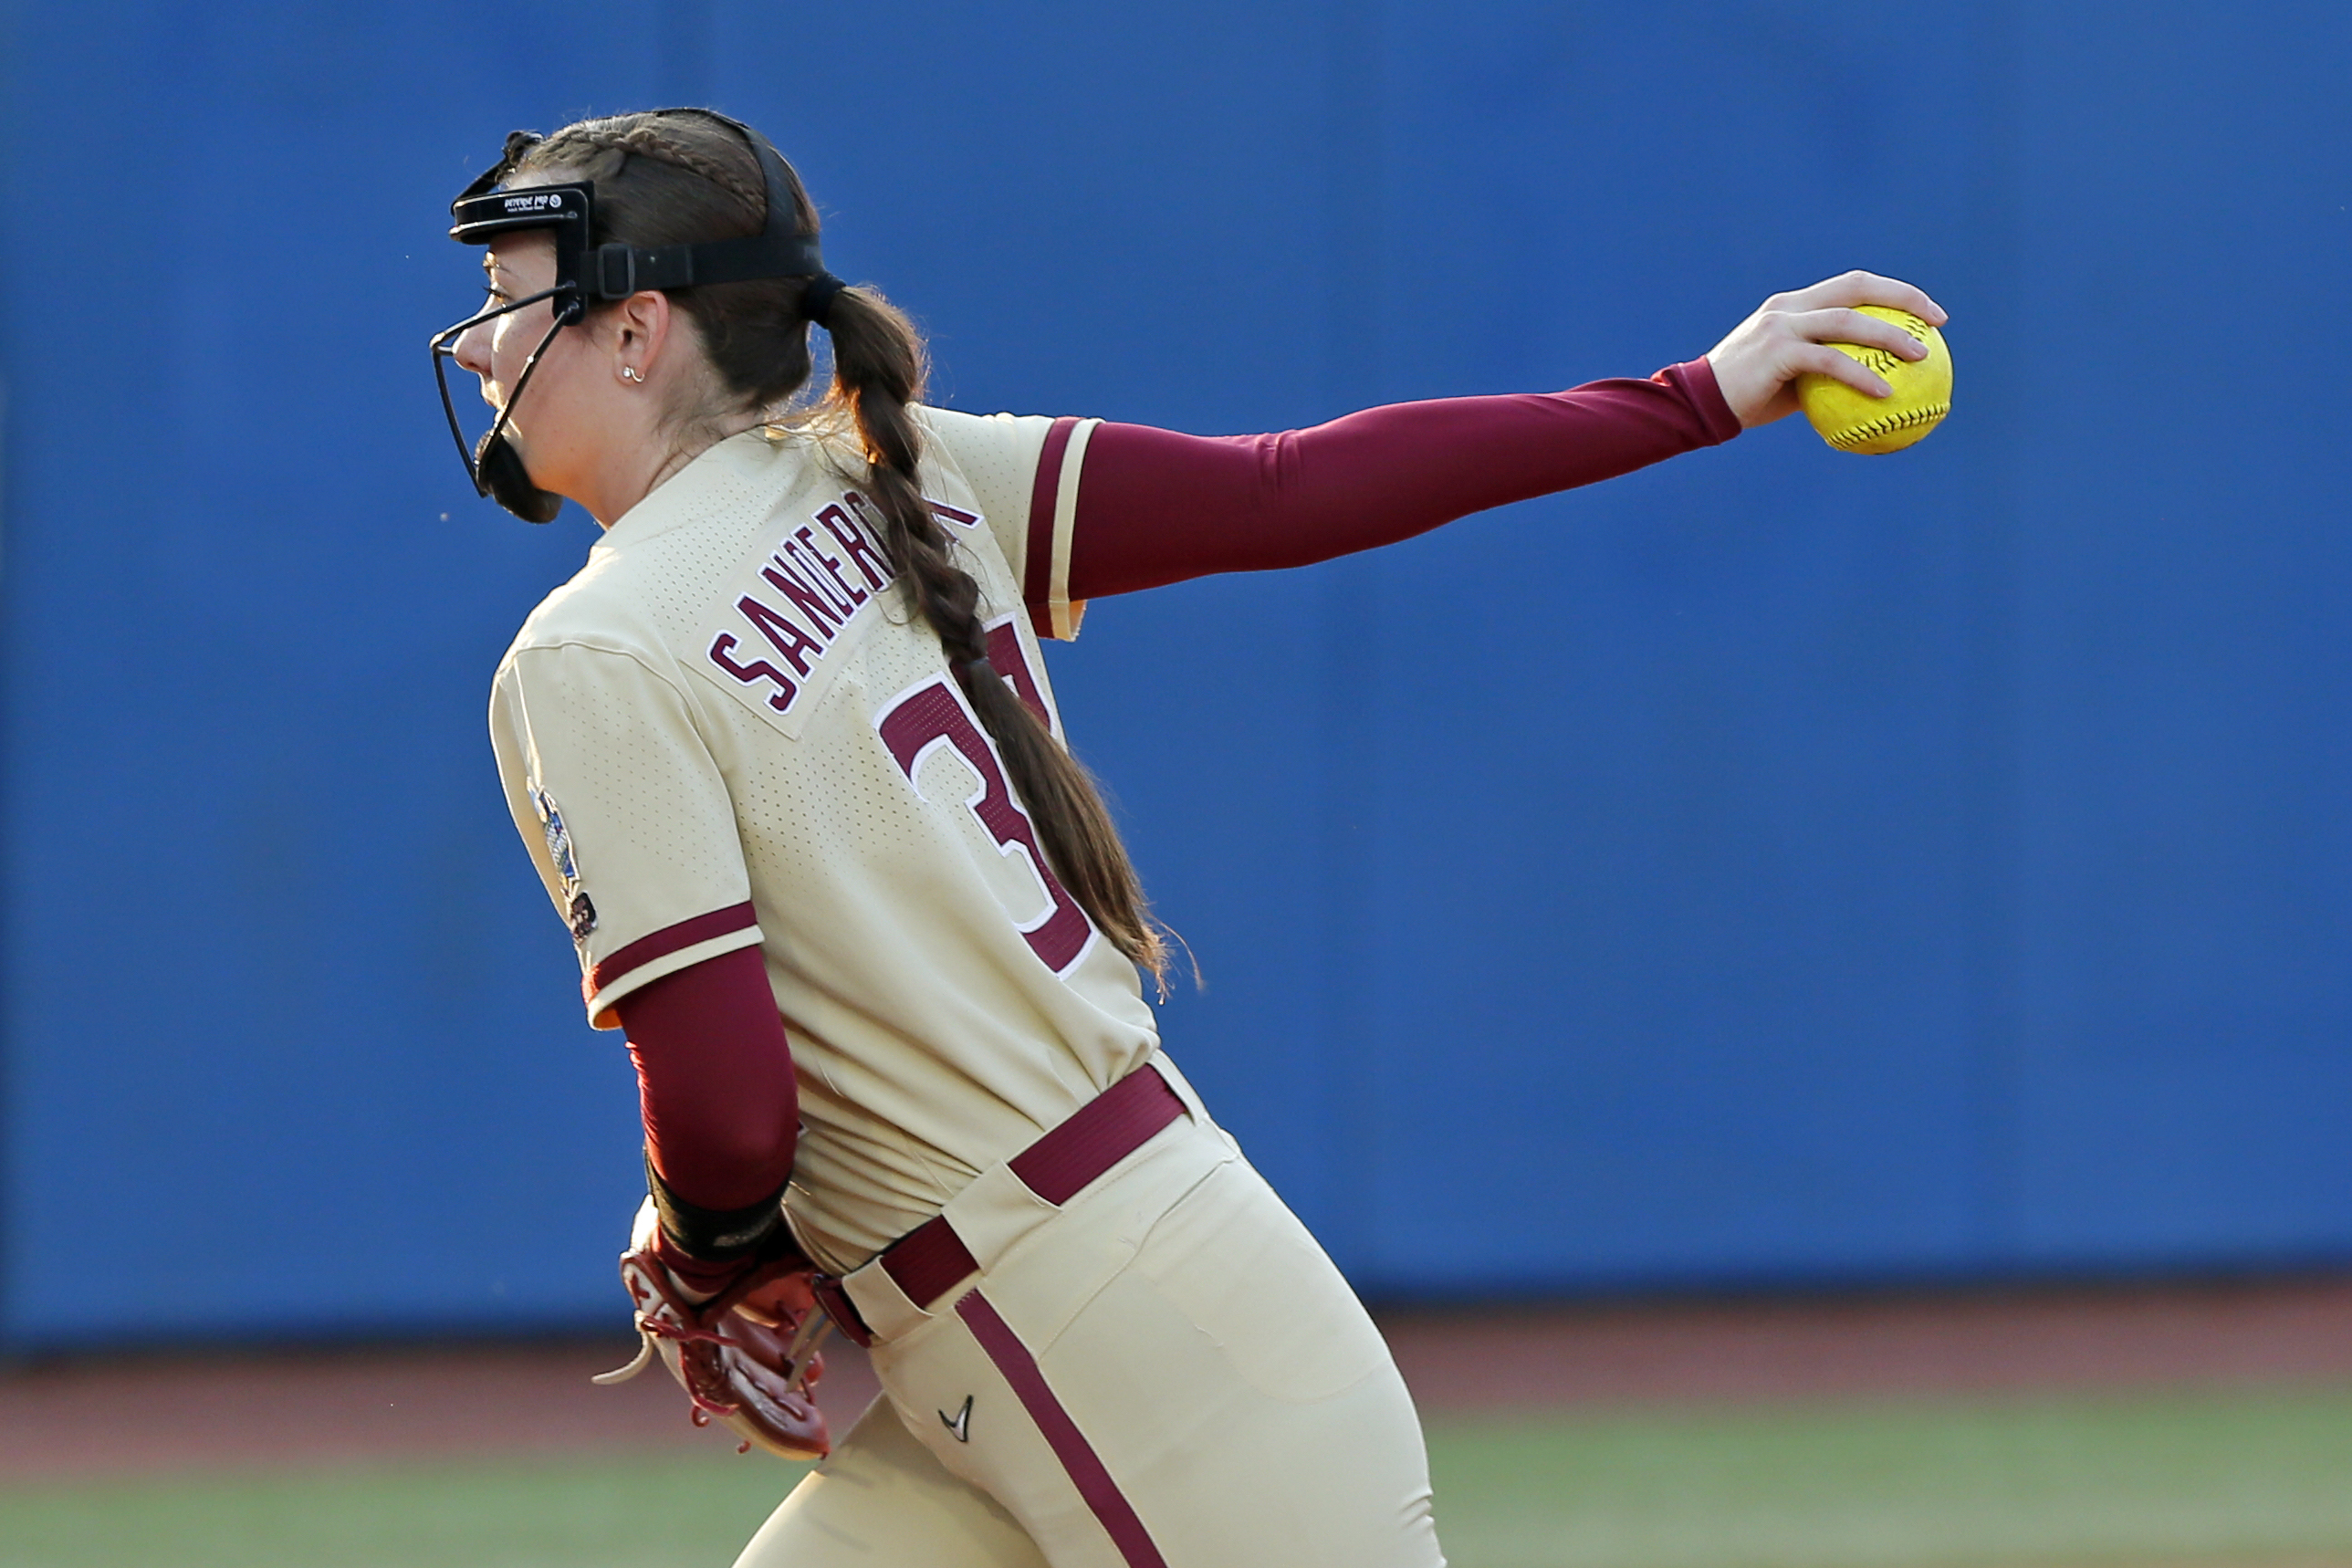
(729, 729)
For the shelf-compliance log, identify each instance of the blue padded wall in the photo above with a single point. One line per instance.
(1772, 868)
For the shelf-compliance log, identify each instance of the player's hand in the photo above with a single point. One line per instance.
(779, 1301)
(1758, 364)
(753, 1370)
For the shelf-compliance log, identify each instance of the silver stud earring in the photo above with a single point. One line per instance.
(629, 374)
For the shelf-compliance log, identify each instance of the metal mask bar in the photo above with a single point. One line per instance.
(477, 458)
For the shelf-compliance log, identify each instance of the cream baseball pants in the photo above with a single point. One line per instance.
(1165, 1372)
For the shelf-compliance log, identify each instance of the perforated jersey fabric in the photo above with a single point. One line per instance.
(729, 729)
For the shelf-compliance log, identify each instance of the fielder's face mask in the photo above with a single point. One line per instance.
(588, 272)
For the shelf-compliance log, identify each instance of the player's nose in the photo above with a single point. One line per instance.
(474, 349)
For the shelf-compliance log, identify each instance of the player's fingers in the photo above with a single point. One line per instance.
(1860, 288)
(1823, 360)
(1853, 327)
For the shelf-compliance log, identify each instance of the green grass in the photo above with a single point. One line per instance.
(598, 1514)
(2236, 1479)
(2181, 1478)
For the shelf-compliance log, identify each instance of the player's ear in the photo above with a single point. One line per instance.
(641, 325)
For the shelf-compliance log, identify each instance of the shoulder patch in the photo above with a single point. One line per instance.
(580, 911)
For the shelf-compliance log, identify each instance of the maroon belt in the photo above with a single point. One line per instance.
(931, 1258)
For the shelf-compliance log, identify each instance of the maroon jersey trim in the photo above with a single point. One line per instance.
(1087, 1471)
(1037, 551)
(646, 950)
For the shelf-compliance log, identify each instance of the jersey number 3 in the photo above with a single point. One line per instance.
(930, 715)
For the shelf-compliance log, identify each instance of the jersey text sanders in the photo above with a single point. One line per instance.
(810, 596)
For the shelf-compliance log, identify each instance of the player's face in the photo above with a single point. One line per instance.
(552, 428)
(516, 266)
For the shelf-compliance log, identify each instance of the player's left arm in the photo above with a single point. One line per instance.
(719, 1099)
(632, 826)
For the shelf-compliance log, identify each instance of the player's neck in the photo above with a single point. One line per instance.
(623, 474)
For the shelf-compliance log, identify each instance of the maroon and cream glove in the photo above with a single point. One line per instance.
(746, 1356)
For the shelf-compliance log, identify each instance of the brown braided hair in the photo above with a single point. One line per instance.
(678, 177)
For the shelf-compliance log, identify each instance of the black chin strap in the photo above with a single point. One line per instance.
(499, 474)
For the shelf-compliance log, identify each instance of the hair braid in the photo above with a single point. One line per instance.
(698, 181)
(877, 375)
(649, 138)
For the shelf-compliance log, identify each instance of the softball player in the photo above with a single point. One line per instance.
(790, 767)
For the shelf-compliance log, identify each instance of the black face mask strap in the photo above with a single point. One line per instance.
(614, 271)
(817, 299)
(823, 288)
(773, 174)
(779, 227)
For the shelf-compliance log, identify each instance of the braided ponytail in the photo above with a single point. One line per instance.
(877, 371)
(671, 177)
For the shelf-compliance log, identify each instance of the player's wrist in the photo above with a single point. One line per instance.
(707, 1250)
(698, 1279)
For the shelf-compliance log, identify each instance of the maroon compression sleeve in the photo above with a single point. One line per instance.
(714, 1084)
(1155, 507)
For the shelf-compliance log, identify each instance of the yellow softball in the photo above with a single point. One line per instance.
(1854, 422)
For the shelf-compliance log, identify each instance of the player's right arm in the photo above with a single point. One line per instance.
(1154, 507)
(1083, 508)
